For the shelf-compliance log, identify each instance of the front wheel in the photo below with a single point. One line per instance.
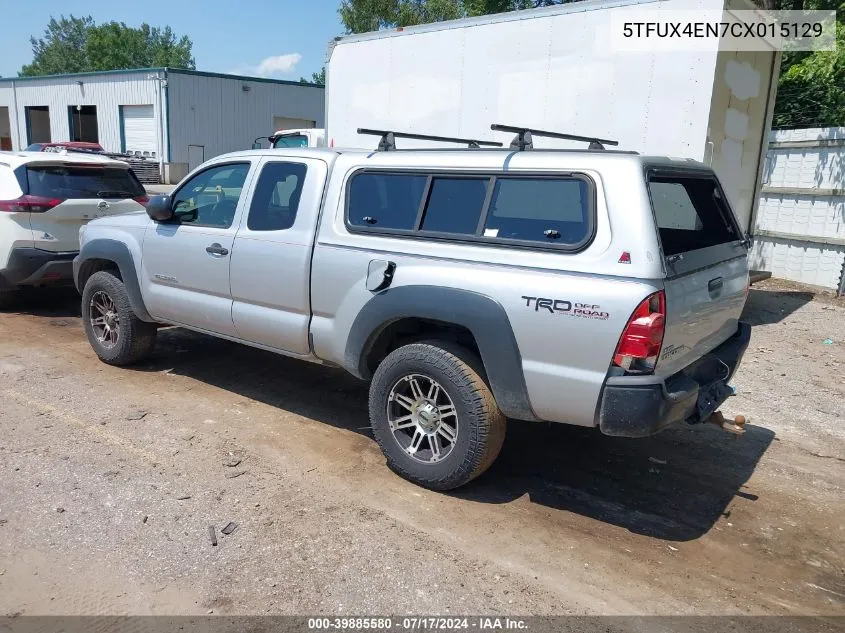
(433, 415)
(117, 335)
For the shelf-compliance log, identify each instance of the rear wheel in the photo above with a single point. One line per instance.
(117, 335)
(433, 415)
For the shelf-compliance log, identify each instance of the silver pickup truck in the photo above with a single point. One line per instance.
(596, 288)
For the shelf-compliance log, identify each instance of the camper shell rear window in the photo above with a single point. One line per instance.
(691, 211)
(525, 209)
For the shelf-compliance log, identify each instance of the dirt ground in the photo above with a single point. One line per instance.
(112, 477)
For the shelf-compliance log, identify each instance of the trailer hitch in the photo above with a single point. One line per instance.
(736, 426)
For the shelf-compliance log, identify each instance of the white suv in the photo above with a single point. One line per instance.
(44, 199)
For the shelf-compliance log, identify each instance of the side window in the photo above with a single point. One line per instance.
(546, 210)
(276, 197)
(385, 201)
(211, 197)
(454, 205)
(552, 210)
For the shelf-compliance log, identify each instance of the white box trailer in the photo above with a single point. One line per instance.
(555, 69)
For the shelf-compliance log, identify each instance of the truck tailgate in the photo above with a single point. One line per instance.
(706, 264)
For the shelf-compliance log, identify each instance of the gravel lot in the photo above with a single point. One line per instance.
(112, 477)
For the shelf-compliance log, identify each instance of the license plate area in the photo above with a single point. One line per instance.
(710, 398)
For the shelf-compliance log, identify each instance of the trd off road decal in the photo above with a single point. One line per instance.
(673, 350)
(566, 308)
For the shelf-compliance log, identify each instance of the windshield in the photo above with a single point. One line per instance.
(292, 140)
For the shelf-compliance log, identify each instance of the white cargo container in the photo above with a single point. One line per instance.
(554, 69)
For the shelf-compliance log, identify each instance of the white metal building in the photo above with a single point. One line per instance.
(557, 68)
(179, 118)
(800, 228)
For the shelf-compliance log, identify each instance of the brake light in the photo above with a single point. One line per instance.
(642, 338)
(29, 204)
(142, 200)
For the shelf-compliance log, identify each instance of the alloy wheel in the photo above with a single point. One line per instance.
(105, 320)
(422, 418)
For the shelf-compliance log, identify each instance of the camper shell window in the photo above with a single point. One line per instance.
(539, 210)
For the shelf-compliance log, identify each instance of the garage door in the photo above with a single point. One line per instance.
(139, 133)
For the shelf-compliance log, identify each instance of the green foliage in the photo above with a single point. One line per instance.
(74, 45)
(811, 90)
(61, 49)
(316, 78)
(361, 16)
(114, 45)
(486, 7)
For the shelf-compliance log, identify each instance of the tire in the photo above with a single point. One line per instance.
(479, 422)
(134, 338)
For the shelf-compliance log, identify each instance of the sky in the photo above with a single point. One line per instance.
(282, 39)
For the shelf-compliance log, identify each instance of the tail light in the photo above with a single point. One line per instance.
(143, 200)
(29, 204)
(642, 338)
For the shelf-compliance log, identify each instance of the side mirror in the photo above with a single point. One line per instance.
(159, 208)
(256, 144)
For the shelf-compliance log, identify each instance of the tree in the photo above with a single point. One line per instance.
(61, 49)
(316, 78)
(114, 45)
(74, 45)
(360, 16)
(486, 7)
(811, 89)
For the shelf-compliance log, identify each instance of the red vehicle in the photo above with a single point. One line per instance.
(71, 146)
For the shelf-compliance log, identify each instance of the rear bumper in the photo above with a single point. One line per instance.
(638, 406)
(33, 266)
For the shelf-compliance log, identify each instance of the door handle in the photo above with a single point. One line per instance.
(217, 250)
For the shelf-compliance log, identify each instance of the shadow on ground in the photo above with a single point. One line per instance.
(771, 306)
(672, 486)
(693, 475)
(46, 302)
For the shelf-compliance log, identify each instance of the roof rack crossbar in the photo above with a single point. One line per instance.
(523, 139)
(388, 139)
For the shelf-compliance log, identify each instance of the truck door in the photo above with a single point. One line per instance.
(271, 259)
(185, 266)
